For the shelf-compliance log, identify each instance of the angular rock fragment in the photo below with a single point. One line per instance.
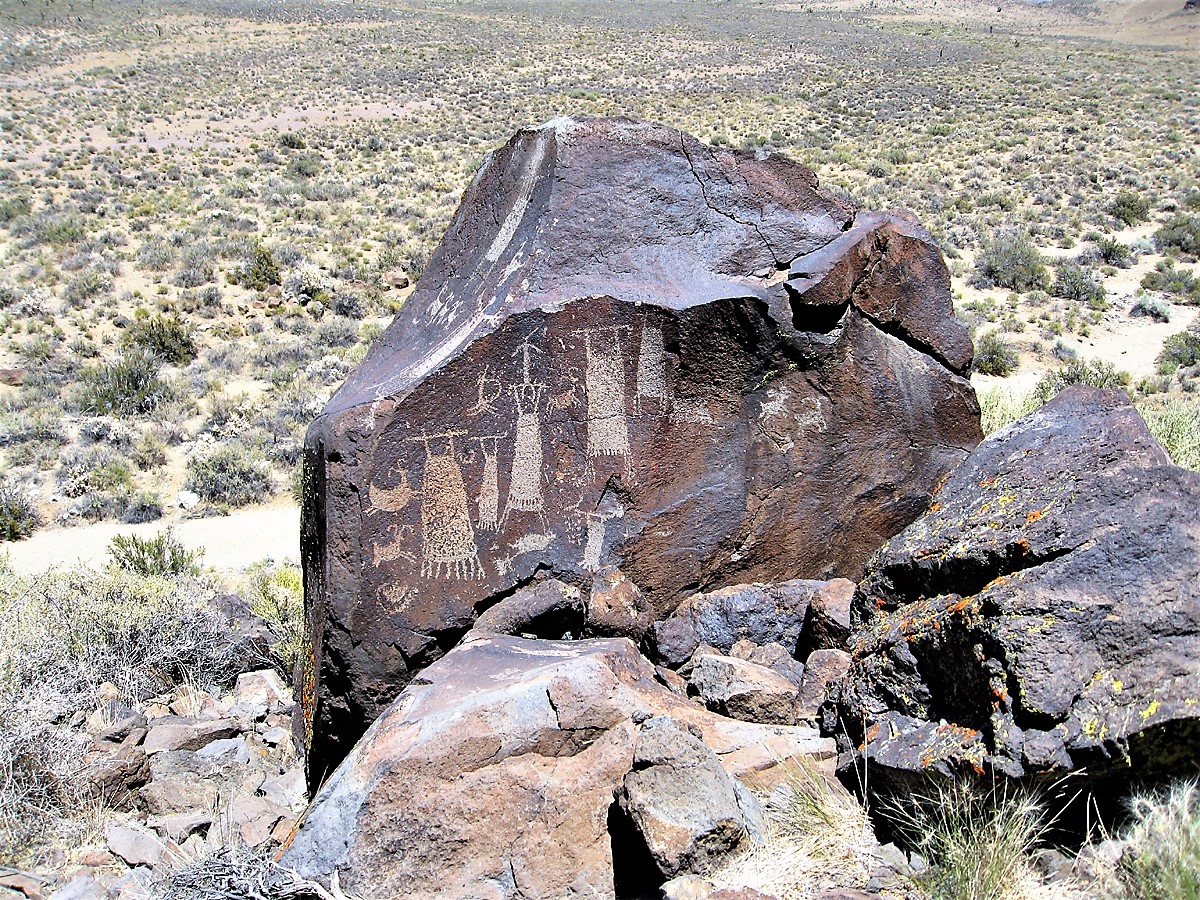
(683, 803)
(630, 350)
(541, 735)
(1045, 615)
(744, 690)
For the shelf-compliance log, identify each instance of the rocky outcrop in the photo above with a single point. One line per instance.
(1045, 615)
(543, 736)
(632, 354)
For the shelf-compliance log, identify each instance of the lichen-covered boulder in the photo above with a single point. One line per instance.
(1045, 615)
(630, 353)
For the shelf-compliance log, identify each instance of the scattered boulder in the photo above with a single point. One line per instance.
(1044, 616)
(683, 803)
(744, 690)
(822, 668)
(542, 735)
(828, 624)
(774, 656)
(617, 607)
(759, 613)
(745, 381)
(134, 845)
(184, 733)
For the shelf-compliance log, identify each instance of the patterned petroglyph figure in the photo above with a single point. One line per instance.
(604, 385)
(448, 548)
(651, 370)
(525, 492)
(597, 531)
(489, 488)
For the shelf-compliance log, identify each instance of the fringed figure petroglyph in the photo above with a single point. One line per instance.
(448, 548)
(604, 385)
(525, 492)
(489, 488)
(651, 370)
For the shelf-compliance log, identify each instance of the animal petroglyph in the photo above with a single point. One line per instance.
(448, 548)
(651, 370)
(814, 414)
(604, 385)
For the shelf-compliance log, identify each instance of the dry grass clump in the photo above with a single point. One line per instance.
(235, 873)
(819, 837)
(1160, 858)
(977, 842)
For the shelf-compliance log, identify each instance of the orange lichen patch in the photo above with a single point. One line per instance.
(935, 507)
(995, 582)
(1023, 544)
(988, 482)
(1034, 515)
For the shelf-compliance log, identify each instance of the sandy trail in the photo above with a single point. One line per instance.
(230, 542)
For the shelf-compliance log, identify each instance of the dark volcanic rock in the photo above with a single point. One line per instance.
(608, 363)
(1045, 615)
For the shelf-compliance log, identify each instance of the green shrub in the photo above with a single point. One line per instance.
(262, 269)
(162, 555)
(1179, 350)
(1129, 207)
(292, 140)
(13, 208)
(1096, 373)
(1180, 232)
(230, 475)
(276, 593)
(167, 338)
(87, 285)
(994, 355)
(1175, 422)
(1170, 280)
(1160, 857)
(977, 843)
(1073, 282)
(1112, 252)
(131, 385)
(1013, 262)
(19, 516)
(304, 165)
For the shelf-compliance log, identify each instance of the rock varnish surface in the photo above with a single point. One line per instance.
(631, 352)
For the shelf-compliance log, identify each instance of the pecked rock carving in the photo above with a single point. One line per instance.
(631, 351)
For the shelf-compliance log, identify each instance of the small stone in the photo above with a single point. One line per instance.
(688, 887)
(821, 667)
(187, 499)
(227, 750)
(287, 790)
(187, 735)
(180, 826)
(617, 607)
(282, 832)
(276, 736)
(135, 846)
(260, 688)
(744, 690)
(95, 857)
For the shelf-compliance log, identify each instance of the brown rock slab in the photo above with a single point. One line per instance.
(547, 609)
(828, 624)
(541, 735)
(609, 363)
(134, 845)
(822, 668)
(186, 734)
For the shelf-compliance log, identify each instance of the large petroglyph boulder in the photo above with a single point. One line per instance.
(1044, 616)
(540, 770)
(634, 360)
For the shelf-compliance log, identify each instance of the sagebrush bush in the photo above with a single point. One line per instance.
(1180, 232)
(230, 475)
(1168, 279)
(1096, 373)
(19, 516)
(276, 593)
(994, 355)
(1074, 282)
(129, 386)
(261, 269)
(1129, 207)
(167, 338)
(162, 555)
(1179, 350)
(1151, 307)
(1013, 262)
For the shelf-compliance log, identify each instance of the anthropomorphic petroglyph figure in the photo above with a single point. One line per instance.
(604, 385)
(525, 492)
(651, 370)
(490, 390)
(448, 548)
(489, 487)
